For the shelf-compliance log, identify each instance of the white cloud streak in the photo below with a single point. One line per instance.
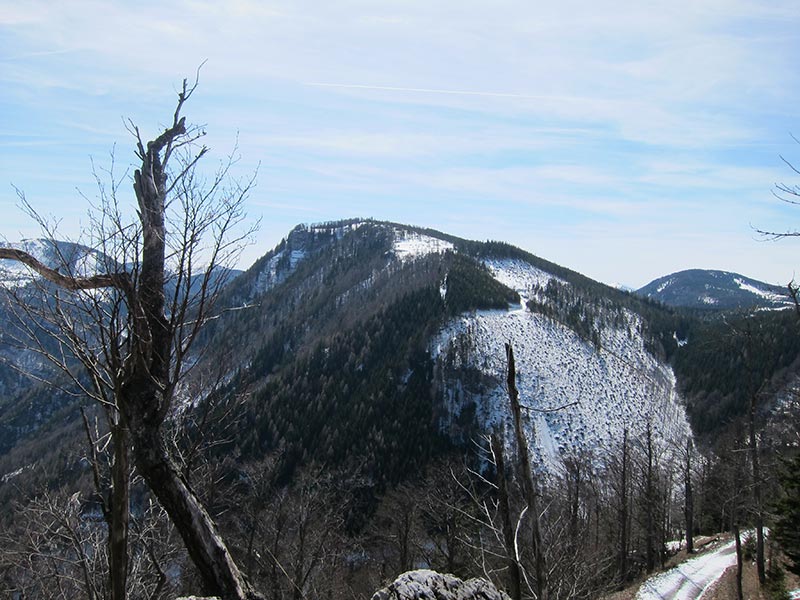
(571, 111)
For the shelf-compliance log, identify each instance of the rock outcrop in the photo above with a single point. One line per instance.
(430, 585)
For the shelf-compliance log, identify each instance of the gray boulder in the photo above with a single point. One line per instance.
(430, 585)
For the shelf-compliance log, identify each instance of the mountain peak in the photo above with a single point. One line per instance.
(714, 289)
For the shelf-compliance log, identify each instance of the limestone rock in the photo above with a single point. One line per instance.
(430, 585)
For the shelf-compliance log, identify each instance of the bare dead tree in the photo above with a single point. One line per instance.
(487, 541)
(141, 311)
(757, 481)
(507, 523)
(739, 562)
(789, 194)
(444, 510)
(649, 500)
(688, 498)
(757, 477)
(529, 487)
(58, 549)
(622, 549)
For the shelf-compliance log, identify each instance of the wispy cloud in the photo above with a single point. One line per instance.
(475, 114)
(387, 88)
(29, 55)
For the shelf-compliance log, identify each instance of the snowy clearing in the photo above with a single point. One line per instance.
(591, 394)
(759, 292)
(410, 246)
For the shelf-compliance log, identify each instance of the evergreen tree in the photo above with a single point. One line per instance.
(787, 524)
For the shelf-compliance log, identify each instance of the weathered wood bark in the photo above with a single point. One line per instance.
(737, 536)
(114, 500)
(514, 573)
(756, 480)
(147, 391)
(574, 469)
(205, 546)
(120, 514)
(528, 486)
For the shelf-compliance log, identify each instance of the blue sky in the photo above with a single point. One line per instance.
(625, 140)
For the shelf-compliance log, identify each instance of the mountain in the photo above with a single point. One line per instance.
(17, 360)
(382, 345)
(366, 337)
(26, 404)
(721, 290)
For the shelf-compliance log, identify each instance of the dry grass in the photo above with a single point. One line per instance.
(725, 588)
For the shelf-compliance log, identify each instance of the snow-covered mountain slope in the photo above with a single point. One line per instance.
(64, 256)
(276, 266)
(583, 396)
(304, 241)
(699, 288)
(576, 347)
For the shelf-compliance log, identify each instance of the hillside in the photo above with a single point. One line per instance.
(408, 329)
(719, 290)
(365, 338)
(336, 411)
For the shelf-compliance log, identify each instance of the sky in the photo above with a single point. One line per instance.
(623, 139)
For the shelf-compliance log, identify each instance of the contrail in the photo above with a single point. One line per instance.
(36, 54)
(428, 90)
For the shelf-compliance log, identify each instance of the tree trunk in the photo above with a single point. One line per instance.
(528, 485)
(650, 534)
(208, 552)
(762, 575)
(688, 507)
(147, 392)
(738, 537)
(144, 385)
(574, 509)
(120, 513)
(514, 575)
(622, 550)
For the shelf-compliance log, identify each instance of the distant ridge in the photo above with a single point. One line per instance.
(710, 289)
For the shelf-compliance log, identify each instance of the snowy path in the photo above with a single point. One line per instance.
(690, 579)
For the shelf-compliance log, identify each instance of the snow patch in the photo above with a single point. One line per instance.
(520, 276)
(76, 260)
(773, 297)
(664, 286)
(278, 269)
(409, 246)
